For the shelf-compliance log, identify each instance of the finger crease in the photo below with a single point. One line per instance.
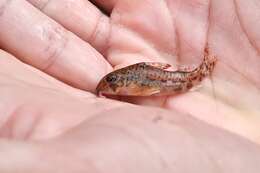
(251, 41)
(55, 47)
(98, 30)
(95, 30)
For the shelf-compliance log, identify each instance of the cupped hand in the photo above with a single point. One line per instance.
(74, 42)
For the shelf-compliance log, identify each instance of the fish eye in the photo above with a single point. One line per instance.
(111, 78)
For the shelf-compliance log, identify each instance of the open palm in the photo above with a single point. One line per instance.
(75, 123)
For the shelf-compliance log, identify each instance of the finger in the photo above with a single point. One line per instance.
(43, 113)
(41, 42)
(80, 17)
(235, 32)
(191, 21)
(15, 69)
(34, 105)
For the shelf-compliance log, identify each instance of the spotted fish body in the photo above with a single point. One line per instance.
(146, 79)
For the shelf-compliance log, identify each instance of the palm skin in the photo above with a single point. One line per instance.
(172, 35)
(71, 127)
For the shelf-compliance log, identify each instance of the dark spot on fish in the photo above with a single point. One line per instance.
(135, 78)
(129, 77)
(142, 65)
(182, 81)
(120, 82)
(111, 78)
(194, 78)
(163, 80)
(128, 72)
(128, 80)
(189, 85)
(203, 74)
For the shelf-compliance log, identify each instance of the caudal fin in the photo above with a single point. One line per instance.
(209, 62)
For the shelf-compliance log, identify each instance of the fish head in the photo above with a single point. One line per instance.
(109, 84)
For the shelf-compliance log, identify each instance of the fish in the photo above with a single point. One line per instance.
(153, 78)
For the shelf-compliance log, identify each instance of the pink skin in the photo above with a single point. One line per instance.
(74, 43)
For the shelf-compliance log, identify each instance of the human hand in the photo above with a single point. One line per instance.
(125, 43)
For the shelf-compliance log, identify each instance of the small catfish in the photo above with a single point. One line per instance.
(152, 78)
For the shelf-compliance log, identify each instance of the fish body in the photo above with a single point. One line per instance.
(152, 78)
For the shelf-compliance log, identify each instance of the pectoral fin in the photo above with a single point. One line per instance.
(149, 91)
(136, 90)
